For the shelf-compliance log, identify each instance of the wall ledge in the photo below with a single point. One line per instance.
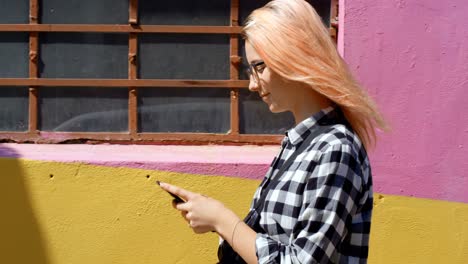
(234, 161)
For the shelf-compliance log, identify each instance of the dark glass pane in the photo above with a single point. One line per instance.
(256, 118)
(321, 6)
(83, 109)
(188, 56)
(185, 12)
(14, 11)
(14, 49)
(184, 110)
(84, 12)
(14, 111)
(247, 6)
(83, 55)
(244, 63)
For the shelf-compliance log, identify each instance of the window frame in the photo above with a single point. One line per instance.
(133, 29)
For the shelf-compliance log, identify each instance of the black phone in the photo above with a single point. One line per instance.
(177, 198)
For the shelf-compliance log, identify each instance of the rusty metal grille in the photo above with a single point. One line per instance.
(133, 30)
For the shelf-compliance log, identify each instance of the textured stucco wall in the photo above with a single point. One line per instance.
(56, 213)
(96, 204)
(413, 57)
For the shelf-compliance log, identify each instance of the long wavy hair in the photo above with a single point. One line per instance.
(292, 40)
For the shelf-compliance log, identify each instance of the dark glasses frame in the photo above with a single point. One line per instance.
(255, 68)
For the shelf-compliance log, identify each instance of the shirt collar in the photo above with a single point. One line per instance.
(297, 134)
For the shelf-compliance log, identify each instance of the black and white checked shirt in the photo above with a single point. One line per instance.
(319, 210)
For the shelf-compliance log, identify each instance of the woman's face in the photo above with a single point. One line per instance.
(271, 87)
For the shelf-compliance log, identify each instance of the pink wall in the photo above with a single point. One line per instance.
(413, 57)
(250, 162)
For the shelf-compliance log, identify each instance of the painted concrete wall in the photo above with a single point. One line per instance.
(55, 212)
(100, 204)
(413, 57)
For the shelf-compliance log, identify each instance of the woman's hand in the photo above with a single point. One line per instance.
(203, 214)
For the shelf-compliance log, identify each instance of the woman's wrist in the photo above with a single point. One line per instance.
(239, 235)
(226, 224)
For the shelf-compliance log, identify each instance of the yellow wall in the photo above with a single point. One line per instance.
(74, 213)
(410, 230)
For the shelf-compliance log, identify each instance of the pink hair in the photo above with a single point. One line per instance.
(290, 37)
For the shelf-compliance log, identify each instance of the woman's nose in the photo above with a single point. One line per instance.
(253, 85)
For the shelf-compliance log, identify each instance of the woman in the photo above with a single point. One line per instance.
(315, 203)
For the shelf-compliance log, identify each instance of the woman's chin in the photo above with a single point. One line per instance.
(274, 109)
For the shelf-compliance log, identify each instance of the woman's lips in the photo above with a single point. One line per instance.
(264, 95)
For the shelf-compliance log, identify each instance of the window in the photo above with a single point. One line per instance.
(132, 71)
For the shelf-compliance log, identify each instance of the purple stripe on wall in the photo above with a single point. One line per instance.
(250, 162)
(249, 171)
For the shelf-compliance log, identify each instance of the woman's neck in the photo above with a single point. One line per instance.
(307, 103)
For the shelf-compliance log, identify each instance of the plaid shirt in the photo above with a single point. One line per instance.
(319, 211)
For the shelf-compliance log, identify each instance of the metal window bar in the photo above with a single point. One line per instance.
(33, 68)
(334, 20)
(133, 29)
(234, 68)
(132, 70)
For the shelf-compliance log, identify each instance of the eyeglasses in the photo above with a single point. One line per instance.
(255, 68)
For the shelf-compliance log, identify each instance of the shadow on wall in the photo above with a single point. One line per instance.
(20, 235)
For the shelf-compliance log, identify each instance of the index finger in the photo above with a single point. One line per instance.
(186, 195)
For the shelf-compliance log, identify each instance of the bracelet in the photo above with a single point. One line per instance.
(233, 232)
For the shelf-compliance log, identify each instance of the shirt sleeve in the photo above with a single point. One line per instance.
(331, 196)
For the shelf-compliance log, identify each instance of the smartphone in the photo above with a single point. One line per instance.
(177, 198)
